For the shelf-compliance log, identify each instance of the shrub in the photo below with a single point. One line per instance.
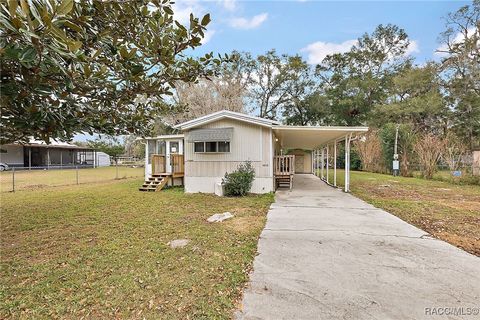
(239, 182)
(429, 150)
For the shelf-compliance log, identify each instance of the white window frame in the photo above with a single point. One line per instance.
(215, 152)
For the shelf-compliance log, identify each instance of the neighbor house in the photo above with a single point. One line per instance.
(210, 146)
(37, 154)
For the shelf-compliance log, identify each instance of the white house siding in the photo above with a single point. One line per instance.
(13, 155)
(249, 142)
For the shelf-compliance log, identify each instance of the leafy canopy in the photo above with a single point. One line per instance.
(92, 66)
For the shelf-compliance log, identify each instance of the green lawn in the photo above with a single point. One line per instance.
(448, 211)
(39, 179)
(100, 251)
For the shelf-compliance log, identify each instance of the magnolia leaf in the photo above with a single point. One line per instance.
(206, 19)
(65, 7)
(123, 52)
(74, 45)
(12, 7)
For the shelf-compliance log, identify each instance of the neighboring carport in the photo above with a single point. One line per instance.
(320, 139)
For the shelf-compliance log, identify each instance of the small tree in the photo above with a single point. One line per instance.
(454, 151)
(110, 146)
(239, 182)
(429, 150)
(369, 149)
(406, 141)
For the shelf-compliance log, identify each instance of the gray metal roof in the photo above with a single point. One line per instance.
(217, 134)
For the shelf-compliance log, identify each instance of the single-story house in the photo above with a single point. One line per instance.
(57, 154)
(209, 146)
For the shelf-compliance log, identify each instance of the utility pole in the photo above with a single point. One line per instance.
(396, 164)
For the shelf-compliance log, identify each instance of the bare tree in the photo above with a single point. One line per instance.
(369, 149)
(429, 151)
(208, 96)
(454, 151)
(407, 140)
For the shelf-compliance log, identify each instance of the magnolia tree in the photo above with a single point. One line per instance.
(79, 66)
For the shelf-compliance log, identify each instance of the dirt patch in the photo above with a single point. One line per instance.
(243, 224)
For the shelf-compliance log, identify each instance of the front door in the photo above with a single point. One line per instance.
(299, 164)
(172, 148)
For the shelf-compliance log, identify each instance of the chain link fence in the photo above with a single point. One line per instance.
(24, 178)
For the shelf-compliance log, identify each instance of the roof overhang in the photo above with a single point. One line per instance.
(300, 137)
(225, 114)
(163, 137)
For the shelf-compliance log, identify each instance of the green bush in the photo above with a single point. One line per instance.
(239, 182)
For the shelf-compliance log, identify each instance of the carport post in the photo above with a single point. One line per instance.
(322, 162)
(335, 163)
(347, 163)
(29, 158)
(48, 158)
(313, 157)
(328, 147)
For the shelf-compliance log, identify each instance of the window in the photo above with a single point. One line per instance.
(173, 147)
(199, 146)
(223, 146)
(212, 146)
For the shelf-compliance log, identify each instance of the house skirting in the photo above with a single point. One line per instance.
(207, 184)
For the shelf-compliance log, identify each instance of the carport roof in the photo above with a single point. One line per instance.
(311, 137)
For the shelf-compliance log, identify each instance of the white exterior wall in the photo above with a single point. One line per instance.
(102, 159)
(13, 156)
(249, 142)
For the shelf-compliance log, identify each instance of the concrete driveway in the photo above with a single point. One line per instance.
(325, 254)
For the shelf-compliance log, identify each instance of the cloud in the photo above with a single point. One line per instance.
(229, 5)
(208, 36)
(182, 10)
(413, 47)
(317, 51)
(244, 23)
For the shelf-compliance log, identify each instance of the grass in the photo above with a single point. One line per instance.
(38, 179)
(448, 211)
(100, 251)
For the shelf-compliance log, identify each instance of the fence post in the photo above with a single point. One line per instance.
(76, 170)
(116, 169)
(13, 179)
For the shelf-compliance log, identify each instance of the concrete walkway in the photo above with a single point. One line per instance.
(325, 254)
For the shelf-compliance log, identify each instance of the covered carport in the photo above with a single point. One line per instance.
(321, 140)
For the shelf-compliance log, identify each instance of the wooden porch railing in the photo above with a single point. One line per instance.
(178, 165)
(158, 164)
(283, 170)
(284, 165)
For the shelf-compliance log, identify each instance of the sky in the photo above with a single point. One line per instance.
(312, 28)
(315, 28)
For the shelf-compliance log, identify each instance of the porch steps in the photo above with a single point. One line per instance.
(154, 183)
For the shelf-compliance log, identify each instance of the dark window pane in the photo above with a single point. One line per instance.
(199, 147)
(161, 147)
(224, 146)
(211, 146)
(151, 149)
